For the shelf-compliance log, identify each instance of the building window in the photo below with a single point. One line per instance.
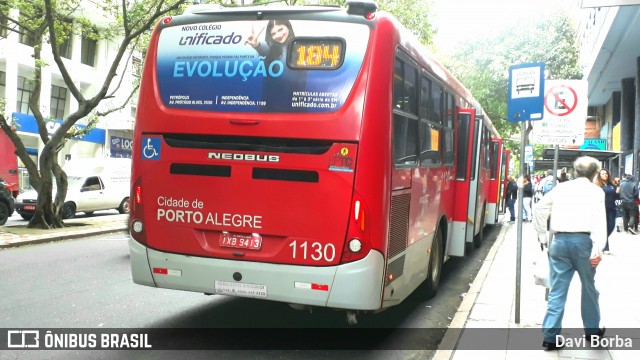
(136, 64)
(133, 111)
(65, 48)
(64, 34)
(88, 56)
(3, 83)
(25, 89)
(58, 101)
(27, 39)
(4, 24)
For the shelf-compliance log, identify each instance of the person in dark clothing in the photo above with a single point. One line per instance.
(512, 195)
(527, 195)
(628, 197)
(603, 179)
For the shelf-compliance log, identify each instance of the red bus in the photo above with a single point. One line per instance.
(338, 168)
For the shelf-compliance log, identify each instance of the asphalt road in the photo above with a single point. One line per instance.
(85, 283)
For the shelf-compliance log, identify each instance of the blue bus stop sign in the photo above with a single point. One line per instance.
(526, 92)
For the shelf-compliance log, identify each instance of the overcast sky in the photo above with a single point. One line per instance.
(460, 19)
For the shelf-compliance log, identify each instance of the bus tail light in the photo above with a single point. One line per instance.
(136, 218)
(357, 242)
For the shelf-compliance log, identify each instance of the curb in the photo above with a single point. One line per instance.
(447, 346)
(21, 240)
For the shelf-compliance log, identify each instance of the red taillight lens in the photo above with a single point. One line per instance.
(137, 226)
(166, 20)
(357, 244)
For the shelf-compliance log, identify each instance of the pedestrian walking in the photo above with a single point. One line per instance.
(527, 195)
(619, 212)
(512, 195)
(603, 179)
(628, 198)
(579, 224)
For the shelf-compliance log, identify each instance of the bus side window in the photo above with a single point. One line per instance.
(447, 139)
(405, 119)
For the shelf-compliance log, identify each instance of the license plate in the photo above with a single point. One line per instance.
(240, 289)
(241, 241)
(29, 207)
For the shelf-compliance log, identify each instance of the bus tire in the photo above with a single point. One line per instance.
(68, 210)
(477, 240)
(435, 266)
(124, 206)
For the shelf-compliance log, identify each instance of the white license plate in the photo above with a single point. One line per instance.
(240, 289)
(29, 207)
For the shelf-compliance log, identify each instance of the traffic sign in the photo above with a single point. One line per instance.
(565, 111)
(528, 154)
(526, 86)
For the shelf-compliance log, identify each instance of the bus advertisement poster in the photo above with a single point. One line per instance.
(260, 66)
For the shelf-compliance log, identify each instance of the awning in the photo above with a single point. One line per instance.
(566, 157)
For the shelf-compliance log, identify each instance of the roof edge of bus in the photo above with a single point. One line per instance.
(204, 9)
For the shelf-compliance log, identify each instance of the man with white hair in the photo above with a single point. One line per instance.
(579, 224)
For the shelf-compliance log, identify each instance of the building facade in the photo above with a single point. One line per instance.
(88, 61)
(608, 38)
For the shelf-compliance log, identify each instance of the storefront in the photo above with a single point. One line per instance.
(91, 145)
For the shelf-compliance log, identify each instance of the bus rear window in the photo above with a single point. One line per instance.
(260, 66)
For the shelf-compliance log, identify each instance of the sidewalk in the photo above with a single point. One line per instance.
(18, 235)
(490, 304)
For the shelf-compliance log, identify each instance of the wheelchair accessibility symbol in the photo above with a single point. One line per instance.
(151, 148)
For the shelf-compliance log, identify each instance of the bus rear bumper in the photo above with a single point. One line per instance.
(353, 286)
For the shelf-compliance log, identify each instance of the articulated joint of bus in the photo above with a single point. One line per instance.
(357, 243)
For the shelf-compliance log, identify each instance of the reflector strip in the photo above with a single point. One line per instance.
(319, 287)
(170, 272)
(301, 285)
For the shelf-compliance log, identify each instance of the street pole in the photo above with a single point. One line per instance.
(523, 165)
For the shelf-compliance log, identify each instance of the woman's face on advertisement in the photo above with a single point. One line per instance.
(280, 33)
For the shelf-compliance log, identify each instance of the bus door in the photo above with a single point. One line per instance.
(493, 204)
(466, 174)
(475, 210)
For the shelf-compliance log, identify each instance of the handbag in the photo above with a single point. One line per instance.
(541, 269)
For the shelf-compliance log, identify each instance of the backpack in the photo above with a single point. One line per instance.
(547, 186)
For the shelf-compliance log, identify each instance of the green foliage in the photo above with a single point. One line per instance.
(482, 64)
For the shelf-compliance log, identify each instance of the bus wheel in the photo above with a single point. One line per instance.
(477, 241)
(68, 210)
(435, 266)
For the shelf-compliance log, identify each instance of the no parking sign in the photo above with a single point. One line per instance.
(565, 111)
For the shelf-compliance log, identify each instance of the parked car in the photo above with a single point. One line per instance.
(103, 185)
(6, 202)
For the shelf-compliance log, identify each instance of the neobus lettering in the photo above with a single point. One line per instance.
(232, 68)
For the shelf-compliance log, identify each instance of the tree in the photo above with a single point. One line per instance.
(482, 64)
(414, 15)
(51, 23)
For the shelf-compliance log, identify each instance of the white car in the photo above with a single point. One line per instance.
(84, 194)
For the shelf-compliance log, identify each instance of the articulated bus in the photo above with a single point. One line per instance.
(315, 156)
